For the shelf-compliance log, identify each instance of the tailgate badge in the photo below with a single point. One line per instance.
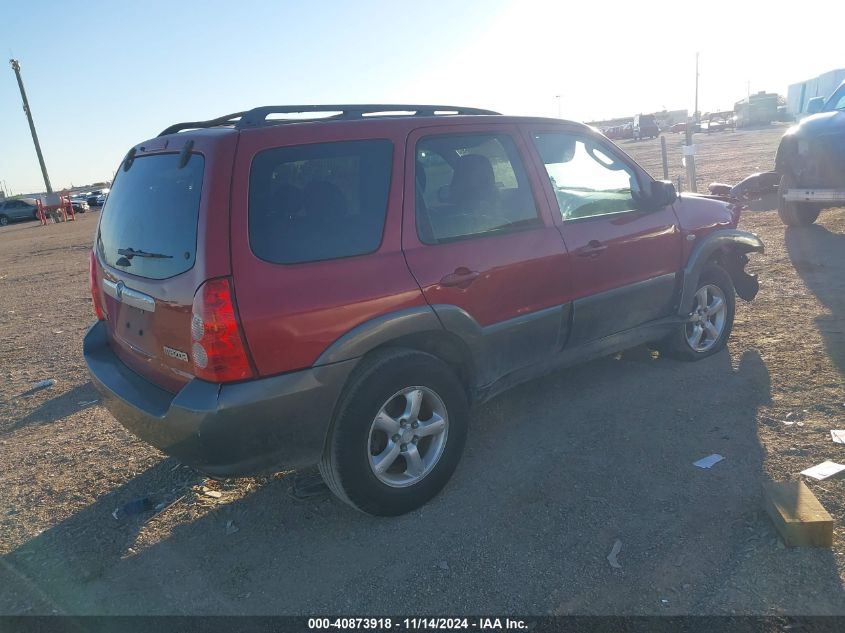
(175, 353)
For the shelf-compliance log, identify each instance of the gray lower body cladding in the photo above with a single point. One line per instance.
(223, 430)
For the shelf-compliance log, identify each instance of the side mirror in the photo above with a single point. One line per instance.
(815, 105)
(662, 194)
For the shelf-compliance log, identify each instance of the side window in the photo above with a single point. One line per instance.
(471, 185)
(322, 201)
(586, 179)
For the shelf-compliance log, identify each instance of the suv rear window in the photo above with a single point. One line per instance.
(152, 209)
(319, 201)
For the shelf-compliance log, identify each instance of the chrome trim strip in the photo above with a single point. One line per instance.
(814, 195)
(129, 296)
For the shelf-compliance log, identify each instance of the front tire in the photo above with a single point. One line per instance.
(793, 213)
(398, 433)
(711, 321)
(4, 220)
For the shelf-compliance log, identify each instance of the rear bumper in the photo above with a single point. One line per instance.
(224, 430)
(829, 196)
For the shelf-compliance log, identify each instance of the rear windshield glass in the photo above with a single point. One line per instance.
(149, 223)
(321, 201)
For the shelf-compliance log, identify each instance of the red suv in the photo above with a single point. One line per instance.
(274, 291)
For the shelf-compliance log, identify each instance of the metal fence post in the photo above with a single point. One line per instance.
(665, 157)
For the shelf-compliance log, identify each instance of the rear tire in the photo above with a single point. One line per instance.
(792, 213)
(373, 459)
(4, 220)
(712, 319)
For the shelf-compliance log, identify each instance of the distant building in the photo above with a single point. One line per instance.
(757, 109)
(799, 94)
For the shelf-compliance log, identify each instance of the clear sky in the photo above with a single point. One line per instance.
(102, 76)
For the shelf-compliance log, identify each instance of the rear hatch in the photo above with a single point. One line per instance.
(163, 232)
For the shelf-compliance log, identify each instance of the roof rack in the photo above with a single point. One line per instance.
(195, 125)
(257, 117)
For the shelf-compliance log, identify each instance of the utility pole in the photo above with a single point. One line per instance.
(695, 113)
(16, 66)
(689, 147)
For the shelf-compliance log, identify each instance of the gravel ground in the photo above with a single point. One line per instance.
(554, 473)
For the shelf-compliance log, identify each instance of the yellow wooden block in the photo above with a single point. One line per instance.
(799, 517)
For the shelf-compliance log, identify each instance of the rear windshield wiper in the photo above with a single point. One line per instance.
(129, 253)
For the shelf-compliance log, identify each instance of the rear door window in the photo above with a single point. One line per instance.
(321, 201)
(469, 186)
(149, 226)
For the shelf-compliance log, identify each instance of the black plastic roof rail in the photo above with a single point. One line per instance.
(257, 117)
(196, 125)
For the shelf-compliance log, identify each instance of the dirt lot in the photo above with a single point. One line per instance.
(554, 473)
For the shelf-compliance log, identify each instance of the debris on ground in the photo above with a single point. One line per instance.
(43, 384)
(165, 505)
(709, 461)
(136, 506)
(798, 516)
(823, 470)
(614, 552)
(231, 528)
(443, 565)
(837, 436)
(208, 492)
(85, 403)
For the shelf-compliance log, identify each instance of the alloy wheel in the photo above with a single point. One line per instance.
(407, 436)
(707, 321)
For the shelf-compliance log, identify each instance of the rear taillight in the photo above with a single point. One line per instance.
(96, 298)
(218, 352)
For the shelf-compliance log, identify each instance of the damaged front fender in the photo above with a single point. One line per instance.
(729, 248)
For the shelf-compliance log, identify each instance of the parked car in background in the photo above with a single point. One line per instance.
(97, 198)
(620, 132)
(17, 209)
(681, 128)
(811, 161)
(645, 126)
(276, 293)
(79, 205)
(718, 121)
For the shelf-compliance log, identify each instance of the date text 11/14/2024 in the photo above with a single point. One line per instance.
(421, 623)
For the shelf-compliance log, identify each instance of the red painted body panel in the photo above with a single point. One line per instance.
(639, 246)
(701, 216)
(519, 272)
(292, 313)
(140, 346)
